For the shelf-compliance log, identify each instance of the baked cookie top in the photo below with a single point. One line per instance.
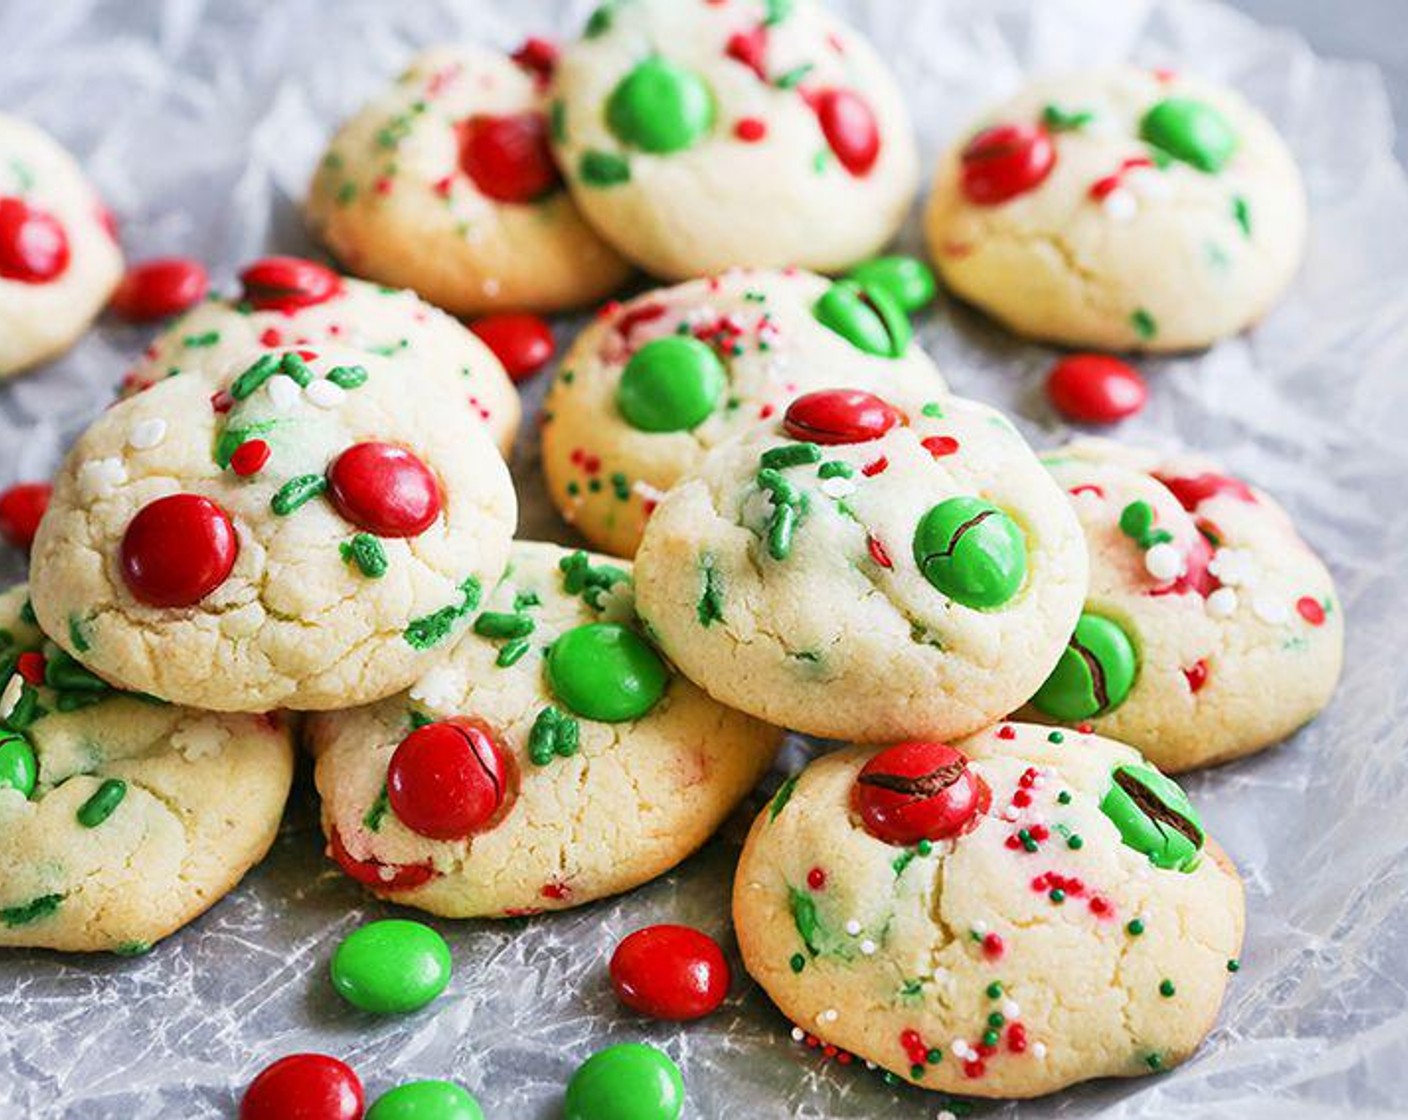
(309, 536)
(1032, 909)
(698, 136)
(554, 758)
(866, 568)
(651, 385)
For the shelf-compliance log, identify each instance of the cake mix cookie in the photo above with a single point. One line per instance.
(650, 386)
(1210, 631)
(289, 302)
(309, 536)
(59, 259)
(866, 568)
(1029, 910)
(1120, 209)
(446, 184)
(554, 758)
(121, 818)
(698, 136)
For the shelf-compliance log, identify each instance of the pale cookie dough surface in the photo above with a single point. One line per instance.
(760, 184)
(1125, 257)
(200, 801)
(393, 203)
(892, 953)
(845, 637)
(606, 475)
(296, 623)
(392, 323)
(630, 802)
(1235, 628)
(40, 319)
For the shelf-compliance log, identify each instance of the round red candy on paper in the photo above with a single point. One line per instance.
(523, 343)
(21, 507)
(1095, 388)
(177, 550)
(304, 1087)
(670, 972)
(374, 873)
(33, 244)
(833, 416)
(850, 128)
(384, 489)
(158, 288)
(507, 157)
(447, 780)
(919, 790)
(1005, 161)
(288, 283)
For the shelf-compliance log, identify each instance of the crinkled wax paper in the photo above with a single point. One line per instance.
(200, 123)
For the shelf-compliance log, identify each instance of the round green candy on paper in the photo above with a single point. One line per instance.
(605, 671)
(906, 280)
(971, 551)
(1154, 817)
(671, 384)
(426, 1100)
(631, 1081)
(867, 317)
(391, 967)
(19, 769)
(660, 107)
(1095, 673)
(1191, 131)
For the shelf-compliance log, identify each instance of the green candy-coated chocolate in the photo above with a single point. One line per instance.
(1154, 817)
(391, 967)
(671, 384)
(1189, 130)
(971, 551)
(869, 318)
(631, 1081)
(19, 769)
(906, 280)
(660, 107)
(426, 1100)
(1094, 674)
(604, 671)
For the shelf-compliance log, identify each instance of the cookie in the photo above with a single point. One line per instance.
(1004, 919)
(866, 569)
(445, 184)
(310, 536)
(289, 302)
(651, 385)
(59, 259)
(698, 136)
(1211, 630)
(121, 818)
(554, 758)
(1121, 209)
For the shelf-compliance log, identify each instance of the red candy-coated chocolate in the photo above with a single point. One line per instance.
(374, 873)
(751, 49)
(249, 457)
(288, 283)
(508, 157)
(158, 288)
(832, 416)
(33, 244)
(523, 343)
(384, 489)
(538, 57)
(670, 972)
(1095, 388)
(919, 790)
(1005, 161)
(177, 550)
(21, 507)
(304, 1087)
(1194, 490)
(1312, 610)
(447, 780)
(850, 128)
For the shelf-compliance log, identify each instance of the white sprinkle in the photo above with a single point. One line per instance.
(869, 1064)
(1270, 609)
(97, 478)
(386, 873)
(10, 698)
(1232, 566)
(1039, 1051)
(439, 689)
(980, 927)
(146, 434)
(853, 928)
(1149, 182)
(1011, 813)
(198, 741)
(830, 1015)
(838, 487)
(1120, 205)
(1222, 603)
(283, 391)
(798, 1034)
(325, 394)
(1164, 562)
(946, 1115)
(491, 287)
(1010, 1010)
(646, 492)
(867, 948)
(959, 1047)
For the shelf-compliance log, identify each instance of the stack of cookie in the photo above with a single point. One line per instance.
(301, 505)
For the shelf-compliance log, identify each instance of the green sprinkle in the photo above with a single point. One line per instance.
(805, 919)
(346, 193)
(603, 169)
(423, 633)
(27, 615)
(710, 608)
(777, 11)
(1135, 927)
(1074, 841)
(1056, 737)
(348, 377)
(1166, 988)
(994, 990)
(997, 1019)
(251, 379)
(790, 455)
(367, 553)
(554, 735)
(933, 410)
(297, 492)
(101, 805)
(916, 1071)
(934, 1056)
(418, 719)
(62, 672)
(924, 847)
(292, 365)
(377, 813)
(1242, 214)
(557, 121)
(798, 962)
(1136, 519)
(901, 861)
(501, 624)
(27, 709)
(782, 797)
(76, 701)
(79, 634)
(512, 653)
(794, 77)
(780, 530)
(1064, 797)
(1154, 1061)
(200, 341)
(1234, 965)
(835, 468)
(29, 912)
(1144, 324)
(525, 599)
(991, 1038)
(231, 439)
(1061, 120)
(133, 949)
(600, 22)
(1057, 896)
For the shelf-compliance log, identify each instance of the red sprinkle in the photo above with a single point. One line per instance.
(270, 338)
(157, 288)
(993, 946)
(221, 401)
(1006, 731)
(31, 667)
(879, 466)
(249, 457)
(1017, 1038)
(750, 48)
(750, 129)
(1311, 610)
(816, 879)
(558, 892)
(21, 507)
(538, 57)
(878, 553)
(974, 1068)
(1095, 388)
(1196, 675)
(522, 342)
(939, 446)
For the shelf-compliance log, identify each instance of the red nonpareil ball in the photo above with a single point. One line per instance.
(670, 972)
(919, 790)
(177, 550)
(1005, 161)
(157, 288)
(508, 157)
(1095, 388)
(288, 283)
(304, 1087)
(384, 489)
(522, 342)
(33, 245)
(448, 780)
(21, 507)
(836, 416)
